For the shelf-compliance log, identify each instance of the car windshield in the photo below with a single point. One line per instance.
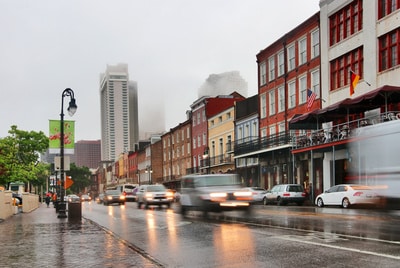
(130, 187)
(112, 192)
(156, 188)
(217, 181)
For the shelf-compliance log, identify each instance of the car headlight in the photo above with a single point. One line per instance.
(122, 197)
(243, 195)
(149, 195)
(218, 197)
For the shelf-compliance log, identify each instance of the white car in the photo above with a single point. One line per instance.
(345, 195)
(258, 193)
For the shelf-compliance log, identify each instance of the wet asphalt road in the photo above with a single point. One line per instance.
(276, 237)
(124, 236)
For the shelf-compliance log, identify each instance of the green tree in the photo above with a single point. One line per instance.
(80, 176)
(20, 154)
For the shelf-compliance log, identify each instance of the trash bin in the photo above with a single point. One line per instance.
(74, 210)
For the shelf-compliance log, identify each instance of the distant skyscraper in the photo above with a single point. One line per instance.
(87, 154)
(119, 112)
(223, 84)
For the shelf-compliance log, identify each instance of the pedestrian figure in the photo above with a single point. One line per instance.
(47, 200)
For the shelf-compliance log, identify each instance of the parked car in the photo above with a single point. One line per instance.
(345, 195)
(99, 198)
(155, 194)
(86, 197)
(214, 192)
(258, 193)
(113, 196)
(127, 190)
(283, 194)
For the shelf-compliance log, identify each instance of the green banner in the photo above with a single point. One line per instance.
(55, 135)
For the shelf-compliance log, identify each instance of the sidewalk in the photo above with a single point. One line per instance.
(40, 239)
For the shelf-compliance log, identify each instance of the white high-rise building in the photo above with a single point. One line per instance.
(119, 112)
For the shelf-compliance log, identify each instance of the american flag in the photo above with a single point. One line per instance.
(310, 98)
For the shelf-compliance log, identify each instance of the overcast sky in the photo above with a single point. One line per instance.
(170, 46)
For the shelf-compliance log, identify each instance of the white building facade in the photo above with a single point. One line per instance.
(119, 112)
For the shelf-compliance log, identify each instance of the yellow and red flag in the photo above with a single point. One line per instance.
(353, 81)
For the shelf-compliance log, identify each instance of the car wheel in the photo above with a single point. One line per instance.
(345, 203)
(320, 203)
(280, 202)
(265, 201)
(146, 206)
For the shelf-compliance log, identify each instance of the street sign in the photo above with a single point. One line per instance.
(68, 182)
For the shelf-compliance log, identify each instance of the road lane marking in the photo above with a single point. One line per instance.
(291, 238)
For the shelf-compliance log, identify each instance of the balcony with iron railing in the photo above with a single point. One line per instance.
(342, 131)
(248, 145)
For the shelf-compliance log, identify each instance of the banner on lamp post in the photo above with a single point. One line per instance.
(55, 135)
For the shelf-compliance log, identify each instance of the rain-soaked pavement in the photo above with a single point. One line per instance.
(41, 239)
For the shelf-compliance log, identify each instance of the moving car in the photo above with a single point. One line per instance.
(258, 193)
(127, 190)
(283, 194)
(100, 198)
(86, 197)
(345, 195)
(214, 192)
(154, 194)
(72, 198)
(113, 196)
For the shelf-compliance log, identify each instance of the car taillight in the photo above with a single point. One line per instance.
(358, 194)
(124, 193)
(303, 194)
(286, 194)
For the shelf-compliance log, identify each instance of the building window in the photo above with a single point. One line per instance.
(281, 63)
(292, 94)
(281, 99)
(341, 67)
(389, 50)
(272, 131)
(291, 58)
(315, 43)
(272, 102)
(302, 51)
(345, 22)
(263, 73)
(315, 84)
(281, 127)
(263, 106)
(303, 89)
(263, 132)
(387, 7)
(271, 68)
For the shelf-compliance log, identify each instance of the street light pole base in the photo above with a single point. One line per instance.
(62, 215)
(62, 210)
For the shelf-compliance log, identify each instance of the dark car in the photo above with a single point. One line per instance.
(113, 196)
(283, 194)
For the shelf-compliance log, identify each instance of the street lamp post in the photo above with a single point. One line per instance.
(149, 170)
(71, 111)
